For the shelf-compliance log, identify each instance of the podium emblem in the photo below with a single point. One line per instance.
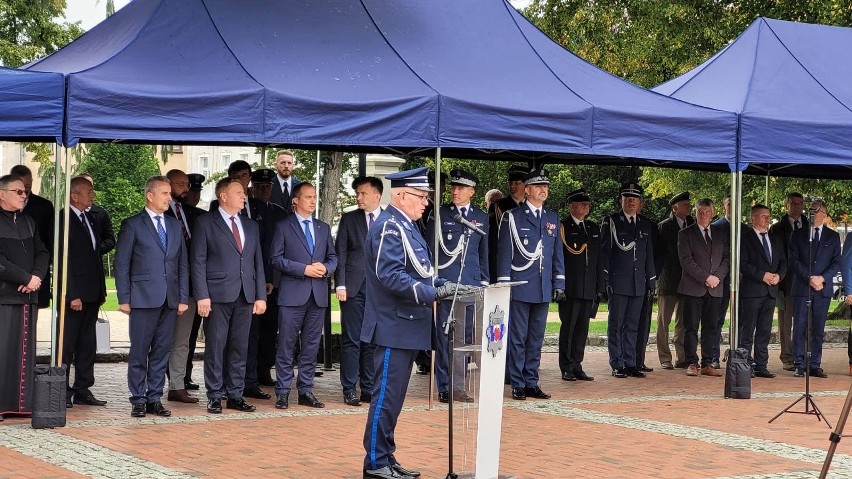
(496, 330)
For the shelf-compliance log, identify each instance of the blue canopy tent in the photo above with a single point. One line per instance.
(789, 85)
(33, 104)
(474, 78)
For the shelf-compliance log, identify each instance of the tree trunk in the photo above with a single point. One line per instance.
(330, 171)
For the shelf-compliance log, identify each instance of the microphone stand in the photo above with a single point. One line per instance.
(810, 405)
(450, 331)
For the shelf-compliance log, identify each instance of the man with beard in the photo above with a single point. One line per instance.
(285, 181)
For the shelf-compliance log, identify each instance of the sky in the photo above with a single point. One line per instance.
(89, 12)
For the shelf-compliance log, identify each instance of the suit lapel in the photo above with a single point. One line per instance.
(300, 233)
(226, 230)
(361, 224)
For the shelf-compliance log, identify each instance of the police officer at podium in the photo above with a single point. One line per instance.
(474, 273)
(529, 250)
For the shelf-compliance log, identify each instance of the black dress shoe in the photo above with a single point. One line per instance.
(158, 409)
(240, 405)
(256, 393)
(88, 399)
(317, 373)
(308, 399)
(460, 396)
(681, 365)
(518, 394)
(763, 373)
(69, 403)
(214, 406)
(138, 410)
(405, 472)
(818, 372)
(582, 376)
(191, 386)
(568, 376)
(619, 373)
(635, 373)
(645, 369)
(366, 398)
(799, 372)
(536, 392)
(282, 401)
(386, 472)
(267, 381)
(350, 399)
(422, 369)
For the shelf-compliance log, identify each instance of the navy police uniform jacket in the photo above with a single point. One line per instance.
(582, 253)
(400, 286)
(627, 255)
(520, 235)
(475, 272)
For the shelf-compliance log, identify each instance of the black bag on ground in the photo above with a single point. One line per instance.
(49, 397)
(737, 374)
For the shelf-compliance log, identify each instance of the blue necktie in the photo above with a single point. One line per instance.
(162, 232)
(816, 235)
(309, 236)
(765, 247)
(370, 223)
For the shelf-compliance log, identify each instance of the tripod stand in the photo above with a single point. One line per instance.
(837, 434)
(810, 405)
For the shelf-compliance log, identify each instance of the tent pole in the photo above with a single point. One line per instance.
(736, 224)
(63, 280)
(318, 181)
(436, 211)
(766, 197)
(54, 338)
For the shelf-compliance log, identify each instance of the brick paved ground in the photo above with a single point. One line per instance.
(665, 426)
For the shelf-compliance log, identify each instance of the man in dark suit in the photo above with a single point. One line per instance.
(474, 272)
(793, 220)
(668, 299)
(179, 354)
(704, 253)
(763, 266)
(517, 194)
(41, 211)
(302, 249)
(103, 223)
(152, 279)
(285, 182)
(191, 198)
(240, 170)
(814, 281)
(627, 274)
(356, 357)
(85, 293)
(398, 319)
(581, 240)
(229, 285)
(725, 223)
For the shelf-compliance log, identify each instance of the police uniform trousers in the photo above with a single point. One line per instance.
(180, 347)
(393, 371)
(723, 310)
(622, 329)
(800, 331)
(226, 332)
(703, 311)
(268, 337)
(463, 335)
(193, 340)
(755, 326)
(644, 332)
(304, 324)
(527, 322)
(151, 331)
(79, 345)
(573, 333)
(785, 329)
(668, 305)
(356, 357)
(251, 381)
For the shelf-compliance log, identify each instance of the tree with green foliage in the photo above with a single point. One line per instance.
(29, 30)
(119, 173)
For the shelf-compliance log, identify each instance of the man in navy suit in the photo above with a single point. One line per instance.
(816, 280)
(791, 221)
(85, 293)
(474, 273)
(228, 280)
(285, 182)
(356, 357)
(398, 316)
(529, 250)
(763, 267)
(152, 279)
(724, 222)
(302, 249)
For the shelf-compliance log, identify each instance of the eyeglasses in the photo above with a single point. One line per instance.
(20, 192)
(422, 198)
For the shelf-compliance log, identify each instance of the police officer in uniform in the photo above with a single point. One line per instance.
(581, 240)
(529, 250)
(517, 194)
(474, 272)
(398, 314)
(196, 184)
(627, 263)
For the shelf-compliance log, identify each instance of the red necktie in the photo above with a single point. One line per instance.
(236, 232)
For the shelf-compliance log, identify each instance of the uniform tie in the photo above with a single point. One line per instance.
(632, 221)
(766, 249)
(309, 236)
(370, 221)
(179, 214)
(464, 212)
(236, 233)
(88, 231)
(162, 232)
(796, 225)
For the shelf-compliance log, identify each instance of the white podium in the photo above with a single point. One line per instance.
(479, 367)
